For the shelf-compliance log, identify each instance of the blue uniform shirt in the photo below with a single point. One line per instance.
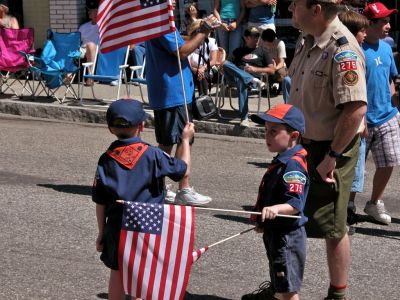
(143, 183)
(286, 181)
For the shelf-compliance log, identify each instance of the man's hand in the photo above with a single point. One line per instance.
(188, 131)
(99, 243)
(326, 167)
(232, 26)
(249, 69)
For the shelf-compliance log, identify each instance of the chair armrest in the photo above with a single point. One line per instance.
(135, 68)
(123, 66)
(87, 64)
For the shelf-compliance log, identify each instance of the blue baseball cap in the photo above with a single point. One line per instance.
(283, 114)
(125, 113)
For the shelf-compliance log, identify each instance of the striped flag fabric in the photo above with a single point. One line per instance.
(126, 22)
(156, 250)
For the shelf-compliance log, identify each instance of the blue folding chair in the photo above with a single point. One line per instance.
(58, 64)
(107, 67)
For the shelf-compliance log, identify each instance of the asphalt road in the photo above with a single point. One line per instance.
(48, 226)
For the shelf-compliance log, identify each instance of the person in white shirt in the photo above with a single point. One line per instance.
(89, 35)
(202, 59)
(277, 50)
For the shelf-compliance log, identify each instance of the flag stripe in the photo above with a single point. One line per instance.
(121, 253)
(167, 252)
(153, 268)
(179, 245)
(187, 249)
(144, 238)
(125, 22)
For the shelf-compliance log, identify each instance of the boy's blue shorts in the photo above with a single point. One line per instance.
(358, 182)
(169, 124)
(286, 251)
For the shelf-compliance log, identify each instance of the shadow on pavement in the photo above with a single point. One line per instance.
(188, 296)
(244, 220)
(262, 165)
(389, 234)
(69, 188)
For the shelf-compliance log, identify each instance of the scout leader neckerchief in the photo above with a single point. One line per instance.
(129, 155)
(300, 157)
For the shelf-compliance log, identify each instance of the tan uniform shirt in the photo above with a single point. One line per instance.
(326, 72)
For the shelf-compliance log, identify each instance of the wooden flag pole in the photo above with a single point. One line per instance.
(181, 75)
(232, 211)
(231, 237)
(244, 212)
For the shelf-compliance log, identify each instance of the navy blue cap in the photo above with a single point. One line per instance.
(125, 113)
(283, 114)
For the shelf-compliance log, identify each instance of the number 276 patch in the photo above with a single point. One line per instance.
(296, 188)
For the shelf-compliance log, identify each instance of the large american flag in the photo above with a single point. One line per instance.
(156, 250)
(125, 22)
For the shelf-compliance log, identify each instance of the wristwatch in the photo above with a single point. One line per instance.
(333, 154)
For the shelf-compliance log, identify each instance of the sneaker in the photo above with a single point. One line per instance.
(377, 211)
(275, 88)
(114, 82)
(188, 196)
(327, 298)
(258, 83)
(169, 195)
(244, 123)
(352, 217)
(264, 292)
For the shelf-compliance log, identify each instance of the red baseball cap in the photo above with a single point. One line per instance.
(283, 114)
(377, 10)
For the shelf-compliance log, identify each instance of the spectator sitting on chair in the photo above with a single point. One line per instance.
(89, 36)
(202, 59)
(7, 21)
(250, 62)
(277, 51)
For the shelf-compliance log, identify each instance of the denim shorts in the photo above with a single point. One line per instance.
(358, 182)
(286, 251)
(169, 124)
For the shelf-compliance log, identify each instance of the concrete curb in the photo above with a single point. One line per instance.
(93, 115)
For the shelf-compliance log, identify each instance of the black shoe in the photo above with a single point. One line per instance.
(352, 217)
(264, 292)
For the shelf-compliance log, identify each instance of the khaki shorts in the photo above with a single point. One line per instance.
(326, 206)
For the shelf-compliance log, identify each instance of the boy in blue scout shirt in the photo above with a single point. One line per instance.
(130, 170)
(283, 190)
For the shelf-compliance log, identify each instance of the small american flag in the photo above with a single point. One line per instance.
(125, 22)
(156, 250)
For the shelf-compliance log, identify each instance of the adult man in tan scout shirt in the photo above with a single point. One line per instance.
(328, 85)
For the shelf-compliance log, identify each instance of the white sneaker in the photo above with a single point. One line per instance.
(169, 195)
(244, 123)
(114, 82)
(377, 211)
(188, 196)
(258, 83)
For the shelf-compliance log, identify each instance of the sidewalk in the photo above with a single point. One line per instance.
(94, 111)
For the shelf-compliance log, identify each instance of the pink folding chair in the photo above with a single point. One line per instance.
(15, 45)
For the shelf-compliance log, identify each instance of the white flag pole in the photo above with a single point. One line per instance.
(181, 75)
(231, 237)
(232, 211)
(244, 212)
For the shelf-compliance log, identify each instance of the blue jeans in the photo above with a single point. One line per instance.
(242, 80)
(286, 83)
(229, 40)
(358, 181)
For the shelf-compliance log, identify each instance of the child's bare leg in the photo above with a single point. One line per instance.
(287, 296)
(115, 288)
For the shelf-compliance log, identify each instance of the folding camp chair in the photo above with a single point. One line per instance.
(224, 87)
(138, 78)
(106, 68)
(14, 68)
(58, 64)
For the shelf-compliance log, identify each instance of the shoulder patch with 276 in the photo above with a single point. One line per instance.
(295, 177)
(345, 55)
